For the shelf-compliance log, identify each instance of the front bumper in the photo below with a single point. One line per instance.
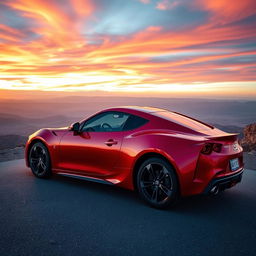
(224, 182)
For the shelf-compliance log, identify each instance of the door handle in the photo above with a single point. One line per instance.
(111, 142)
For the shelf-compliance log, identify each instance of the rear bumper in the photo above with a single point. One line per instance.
(224, 182)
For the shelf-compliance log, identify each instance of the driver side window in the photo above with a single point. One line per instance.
(106, 122)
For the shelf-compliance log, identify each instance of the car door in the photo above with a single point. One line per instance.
(96, 148)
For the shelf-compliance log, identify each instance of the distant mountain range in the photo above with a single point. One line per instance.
(23, 117)
(14, 129)
(223, 112)
(14, 124)
(19, 118)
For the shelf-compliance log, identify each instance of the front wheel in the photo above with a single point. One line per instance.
(157, 183)
(39, 160)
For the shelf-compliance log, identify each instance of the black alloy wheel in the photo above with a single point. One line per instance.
(39, 160)
(157, 183)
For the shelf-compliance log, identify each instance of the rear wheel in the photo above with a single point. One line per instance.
(39, 160)
(157, 183)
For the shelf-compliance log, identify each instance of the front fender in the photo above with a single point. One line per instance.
(51, 141)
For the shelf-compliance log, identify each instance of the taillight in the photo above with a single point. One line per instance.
(217, 147)
(209, 147)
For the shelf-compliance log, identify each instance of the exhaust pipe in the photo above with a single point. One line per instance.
(215, 190)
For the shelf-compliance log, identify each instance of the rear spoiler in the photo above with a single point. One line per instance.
(228, 137)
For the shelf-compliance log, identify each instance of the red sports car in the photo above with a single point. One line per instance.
(159, 153)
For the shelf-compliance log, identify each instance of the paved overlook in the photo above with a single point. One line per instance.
(63, 216)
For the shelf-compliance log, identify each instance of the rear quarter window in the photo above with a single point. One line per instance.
(134, 122)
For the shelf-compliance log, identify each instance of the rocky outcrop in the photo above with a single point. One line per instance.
(12, 141)
(249, 140)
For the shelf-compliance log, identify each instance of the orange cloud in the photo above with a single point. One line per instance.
(55, 24)
(167, 4)
(228, 10)
(83, 7)
(10, 34)
(62, 54)
(145, 1)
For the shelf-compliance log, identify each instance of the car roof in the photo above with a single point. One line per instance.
(168, 115)
(136, 108)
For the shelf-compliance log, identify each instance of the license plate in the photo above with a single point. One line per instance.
(234, 164)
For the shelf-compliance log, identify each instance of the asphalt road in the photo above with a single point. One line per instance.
(63, 216)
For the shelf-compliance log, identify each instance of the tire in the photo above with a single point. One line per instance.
(39, 160)
(157, 183)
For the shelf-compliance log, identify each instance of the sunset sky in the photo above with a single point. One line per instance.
(165, 47)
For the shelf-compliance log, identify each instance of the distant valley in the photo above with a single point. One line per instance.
(20, 118)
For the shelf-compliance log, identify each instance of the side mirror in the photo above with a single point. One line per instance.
(75, 127)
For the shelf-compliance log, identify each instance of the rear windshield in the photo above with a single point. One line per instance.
(185, 121)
